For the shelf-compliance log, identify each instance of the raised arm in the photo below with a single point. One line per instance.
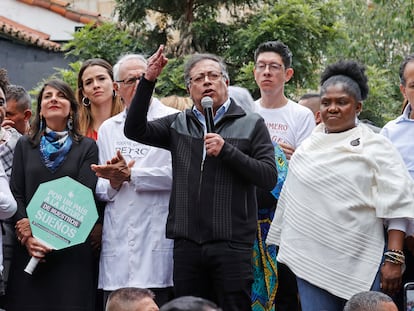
(136, 121)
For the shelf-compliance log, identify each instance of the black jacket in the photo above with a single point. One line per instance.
(214, 199)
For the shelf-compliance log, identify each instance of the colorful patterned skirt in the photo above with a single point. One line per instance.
(264, 266)
(264, 256)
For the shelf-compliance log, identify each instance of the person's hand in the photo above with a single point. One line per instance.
(214, 143)
(36, 249)
(391, 278)
(287, 149)
(24, 235)
(96, 239)
(23, 230)
(155, 64)
(116, 170)
(7, 123)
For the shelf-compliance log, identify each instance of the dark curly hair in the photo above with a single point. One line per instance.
(350, 74)
(4, 80)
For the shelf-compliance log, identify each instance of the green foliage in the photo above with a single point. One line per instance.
(195, 21)
(70, 76)
(379, 36)
(379, 104)
(305, 26)
(107, 41)
(171, 80)
(317, 32)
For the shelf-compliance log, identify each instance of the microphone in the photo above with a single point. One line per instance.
(207, 103)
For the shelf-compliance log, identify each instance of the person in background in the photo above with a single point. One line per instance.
(288, 124)
(18, 109)
(64, 279)
(399, 131)
(135, 182)
(131, 299)
(8, 139)
(8, 207)
(213, 213)
(347, 202)
(242, 97)
(313, 102)
(98, 102)
(96, 95)
(370, 301)
(177, 102)
(8, 135)
(190, 303)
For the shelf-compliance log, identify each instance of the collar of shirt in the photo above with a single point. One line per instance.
(405, 117)
(217, 117)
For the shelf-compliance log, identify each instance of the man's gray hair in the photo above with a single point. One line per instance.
(20, 95)
(367, 301)
(195, 58)
(123, 59)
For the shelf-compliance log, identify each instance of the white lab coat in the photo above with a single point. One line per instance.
(135, 251)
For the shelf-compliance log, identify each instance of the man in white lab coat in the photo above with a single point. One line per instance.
(135, 181)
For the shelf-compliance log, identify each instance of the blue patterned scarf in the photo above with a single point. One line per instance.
(54, 147)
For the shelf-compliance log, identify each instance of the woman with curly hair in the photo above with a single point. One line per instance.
(345, 206)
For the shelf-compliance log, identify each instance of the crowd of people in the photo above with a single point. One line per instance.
(242, 205)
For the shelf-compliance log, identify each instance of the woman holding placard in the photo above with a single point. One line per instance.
(63, 280)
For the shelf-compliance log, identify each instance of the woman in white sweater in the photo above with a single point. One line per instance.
(346, 203)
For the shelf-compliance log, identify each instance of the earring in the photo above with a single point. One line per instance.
(113, 93)
(86, 102)
(41, 123)
(69, 123)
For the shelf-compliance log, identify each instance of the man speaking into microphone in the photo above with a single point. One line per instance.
(219, 155)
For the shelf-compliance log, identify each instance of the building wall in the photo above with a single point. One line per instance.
(27, 65)
(105, 7)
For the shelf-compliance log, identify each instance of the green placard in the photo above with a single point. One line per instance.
(62, 213)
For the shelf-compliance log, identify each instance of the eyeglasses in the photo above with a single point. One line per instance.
(130, 81)
(200, 78)
(273, 67)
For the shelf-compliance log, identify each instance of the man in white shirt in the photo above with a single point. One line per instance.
(289, 124)
(135, 181)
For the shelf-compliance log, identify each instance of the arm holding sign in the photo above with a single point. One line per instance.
(24, 235)
(23, 231)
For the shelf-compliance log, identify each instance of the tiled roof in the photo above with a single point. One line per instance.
(40, 39)
(63, 8)
(26, 34)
